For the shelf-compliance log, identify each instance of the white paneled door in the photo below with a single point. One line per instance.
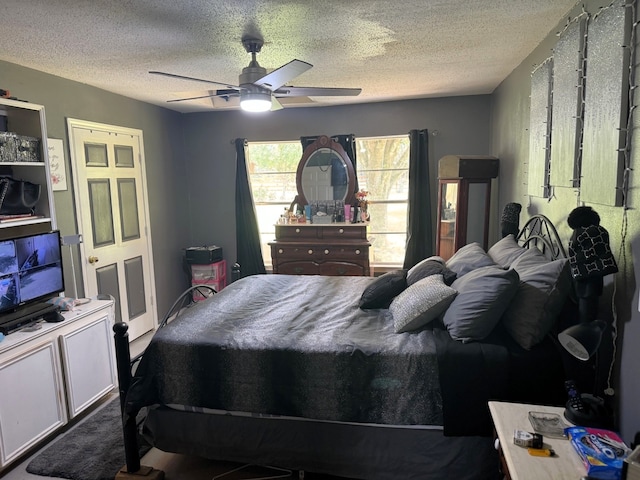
(112, 209)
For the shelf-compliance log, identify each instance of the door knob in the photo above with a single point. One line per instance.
(93, 259)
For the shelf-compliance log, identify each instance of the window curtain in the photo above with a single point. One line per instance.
(347, 141)
(419, 225)
(248, 252)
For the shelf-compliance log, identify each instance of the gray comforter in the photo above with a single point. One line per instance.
(292, 345)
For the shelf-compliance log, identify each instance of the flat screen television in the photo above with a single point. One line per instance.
(30, 271)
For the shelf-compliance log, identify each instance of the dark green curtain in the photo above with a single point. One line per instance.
(348, 142)
(419, 225)
(249, 255)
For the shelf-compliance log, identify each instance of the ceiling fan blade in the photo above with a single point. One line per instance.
(182, 77)
(282, 75)
(275, 104)
(316, 92)
(217, 93)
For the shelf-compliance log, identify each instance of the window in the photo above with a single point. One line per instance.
(383, 171)
(382, 168)
(272, 175)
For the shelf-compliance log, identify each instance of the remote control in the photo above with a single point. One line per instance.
(575, 398)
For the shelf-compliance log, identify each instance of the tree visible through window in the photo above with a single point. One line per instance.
(382, 169)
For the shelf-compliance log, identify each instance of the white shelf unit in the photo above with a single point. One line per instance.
(51, 375)
(29, 119)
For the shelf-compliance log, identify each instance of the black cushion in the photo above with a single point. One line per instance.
(383, 289)
(430, 266)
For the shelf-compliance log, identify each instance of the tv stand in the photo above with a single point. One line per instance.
(55, 373)
(28, 314)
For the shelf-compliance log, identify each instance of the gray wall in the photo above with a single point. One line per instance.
(458, 125)
(166, 177)
(510, 142)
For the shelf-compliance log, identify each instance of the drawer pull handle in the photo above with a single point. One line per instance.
(310, 252)
(280, 251)
(341, 230)
(357, 252)
(297, 230)
(326, 252)
(342, 271)
(298, 270)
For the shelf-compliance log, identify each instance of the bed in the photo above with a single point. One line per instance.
(290, 371)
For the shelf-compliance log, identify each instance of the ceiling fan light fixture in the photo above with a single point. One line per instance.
(255, 101)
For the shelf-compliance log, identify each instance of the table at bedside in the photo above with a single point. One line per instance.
(566, 463)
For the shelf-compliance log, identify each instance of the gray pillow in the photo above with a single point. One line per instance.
(544, 286)
(420, 303)
(469, 258)
(483, 296)
(505, 251)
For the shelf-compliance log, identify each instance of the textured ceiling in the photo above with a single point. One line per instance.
(392, 50)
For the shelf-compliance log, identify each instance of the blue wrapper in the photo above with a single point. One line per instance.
(602, 451)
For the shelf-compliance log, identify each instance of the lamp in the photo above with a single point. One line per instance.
(582, 340)
(255, 101)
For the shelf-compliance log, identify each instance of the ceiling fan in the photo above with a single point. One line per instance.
(258, 90)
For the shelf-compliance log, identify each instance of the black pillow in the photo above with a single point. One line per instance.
(383, 289)
(428, 267)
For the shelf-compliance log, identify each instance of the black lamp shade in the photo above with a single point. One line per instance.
(582, 340)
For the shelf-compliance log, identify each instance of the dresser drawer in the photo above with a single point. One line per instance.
(296, 232)
(336, 232)
(295, 252)
(341, 252)
(342, 268)
(319, 252)
(299, 268)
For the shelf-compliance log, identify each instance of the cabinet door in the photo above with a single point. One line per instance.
(89, 363)
(31, 401)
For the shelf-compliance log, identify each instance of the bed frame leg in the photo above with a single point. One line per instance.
(132, 469)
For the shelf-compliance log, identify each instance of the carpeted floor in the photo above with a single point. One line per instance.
(91, 450)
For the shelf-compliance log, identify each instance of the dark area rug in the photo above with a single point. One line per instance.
(91, 450)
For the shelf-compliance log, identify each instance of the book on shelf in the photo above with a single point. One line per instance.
(17, 217)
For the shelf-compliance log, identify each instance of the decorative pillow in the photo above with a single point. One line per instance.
(505, 251)
(382, 290)
(544, 286)
(430, 266)
(483, 296)
(469, 258)
(420, 303)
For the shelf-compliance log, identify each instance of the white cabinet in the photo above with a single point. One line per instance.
(89, 363)
(31, 400)
(28, 119)
(52, 374)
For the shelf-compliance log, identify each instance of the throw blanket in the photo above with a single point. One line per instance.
(292, 345)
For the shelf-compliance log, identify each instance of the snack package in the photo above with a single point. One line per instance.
(602, 451)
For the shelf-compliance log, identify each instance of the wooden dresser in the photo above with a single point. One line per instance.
(316, 249)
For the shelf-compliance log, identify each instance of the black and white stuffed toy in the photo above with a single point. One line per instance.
(589, 251)
(590, 257)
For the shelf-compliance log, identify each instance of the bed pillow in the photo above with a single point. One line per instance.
(469, 258)
(483, 296)
(420, 303)
(544, 286)
(430, 266)
(383, 289)
(506, 251)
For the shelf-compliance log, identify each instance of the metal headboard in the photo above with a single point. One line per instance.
(540, 233)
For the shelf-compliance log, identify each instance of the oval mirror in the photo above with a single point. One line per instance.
(325, 173)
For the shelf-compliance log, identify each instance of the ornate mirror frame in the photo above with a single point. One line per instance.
(321, 144)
